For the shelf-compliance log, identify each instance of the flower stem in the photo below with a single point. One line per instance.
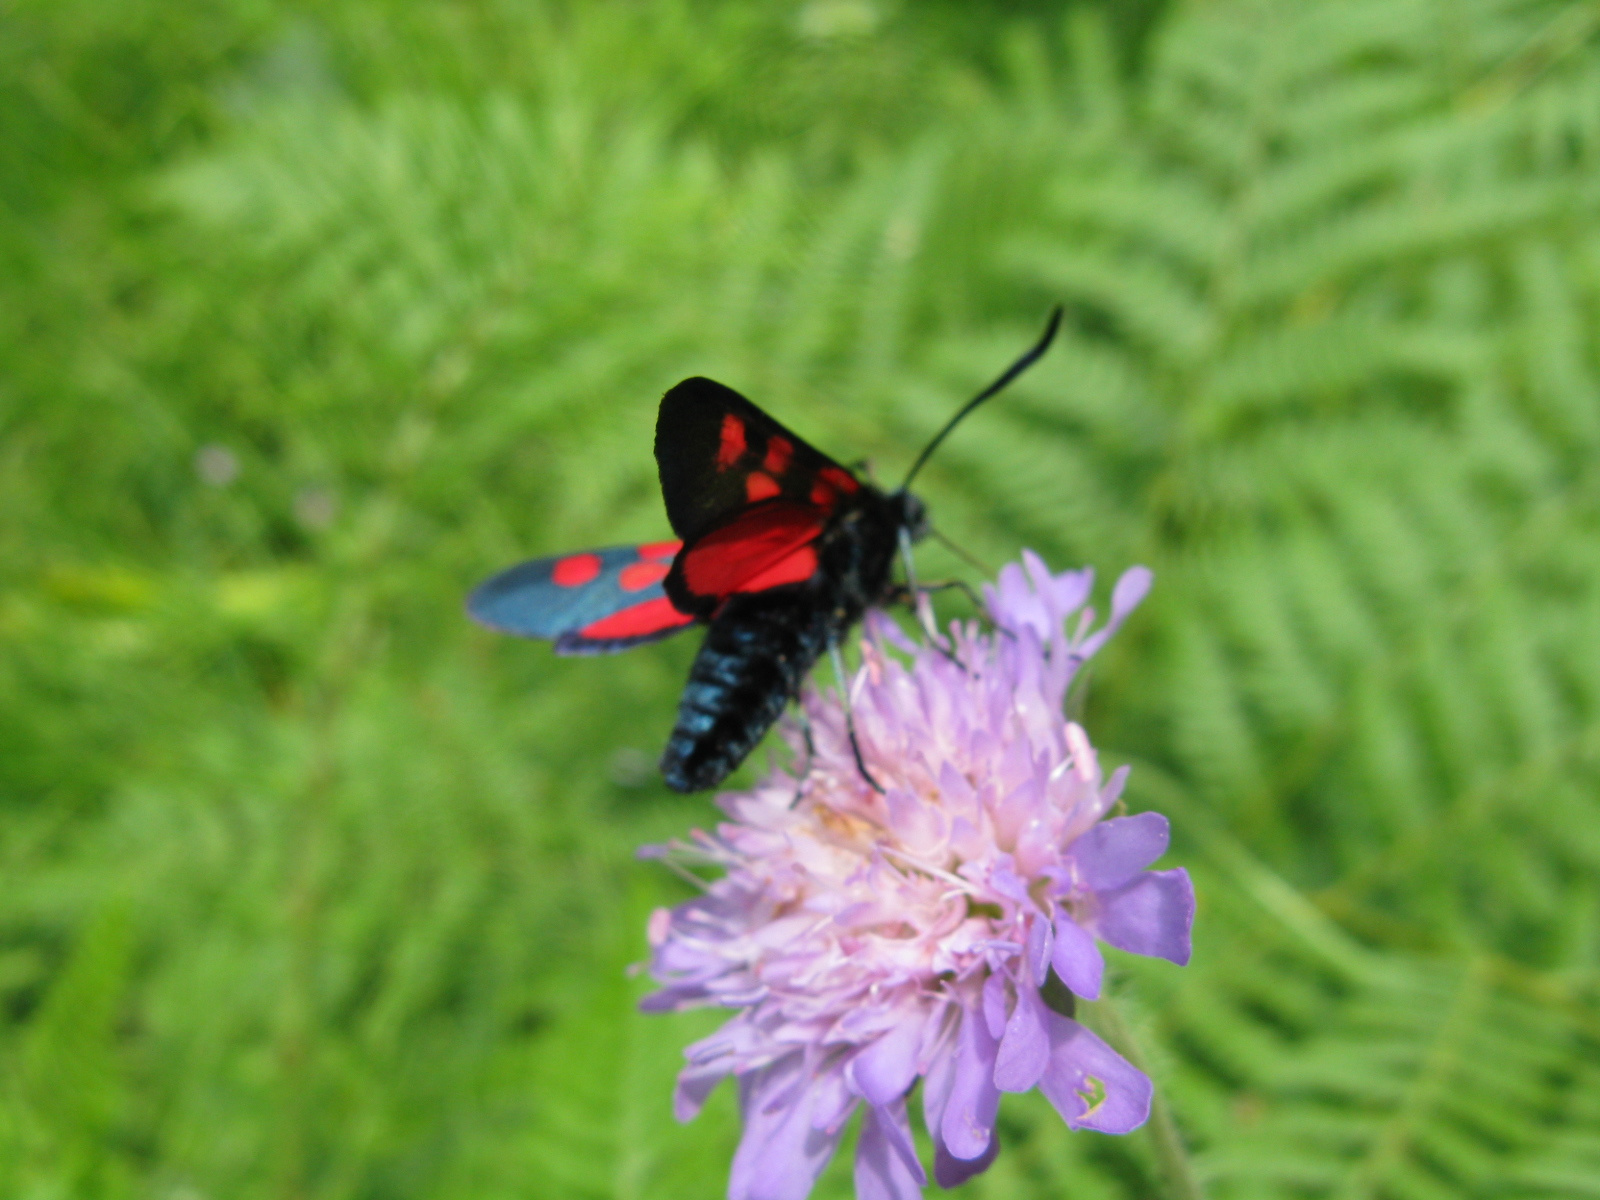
(1176, 1172)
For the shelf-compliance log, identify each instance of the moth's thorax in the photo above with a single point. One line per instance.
(858, 549)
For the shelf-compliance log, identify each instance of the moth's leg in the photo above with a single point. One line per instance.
(919, 603)
(811, 750)
(970, 559)
(957, 585)
(923, 606)
(901, 594)
(849, 717)
(967, 590)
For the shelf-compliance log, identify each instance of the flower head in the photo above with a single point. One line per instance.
(936, 930)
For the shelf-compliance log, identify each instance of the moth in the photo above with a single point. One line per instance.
(779, 551)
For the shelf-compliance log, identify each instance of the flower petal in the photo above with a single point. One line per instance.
(886, 1158)
(949, 1171)
(1133, 587)
(1025, 1048)
(1152, 915)
(968, 1124)
(1076, 959)
(938, 1073)
(780, 1154)
(884, 1071)
(1070, 589)
(921, 828)
(1041, 942)
(832, 1102)
(673, 999)
(1130, 591)
(1090, 1084)
(694, 1085)
(1114, 851)
(994, 1005)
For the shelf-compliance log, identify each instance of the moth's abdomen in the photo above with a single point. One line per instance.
(755, 656)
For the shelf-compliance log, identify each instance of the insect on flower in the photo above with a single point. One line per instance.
(780, 551)
(931, 936)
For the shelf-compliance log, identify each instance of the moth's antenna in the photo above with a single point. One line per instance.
(1011, 372)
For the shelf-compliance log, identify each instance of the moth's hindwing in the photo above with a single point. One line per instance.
(591, 602)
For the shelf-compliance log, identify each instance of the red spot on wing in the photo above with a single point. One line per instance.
(652, 616)
(768, 544)
(576, 570)
(841, 479)
(822, 495)
(796, 568)
(637, 576)
(760, 486)
(658, 551)
(731, 448)
(779, 451)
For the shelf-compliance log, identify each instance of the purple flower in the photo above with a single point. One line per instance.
(866, 940)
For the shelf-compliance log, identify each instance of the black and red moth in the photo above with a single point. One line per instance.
(780, 551)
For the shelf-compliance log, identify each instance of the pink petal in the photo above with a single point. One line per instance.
(886, 1159)
(956, 794)
(1114, 851)
(1152, 915)
(1077, 959)
(920, 827)
(1090, 1084)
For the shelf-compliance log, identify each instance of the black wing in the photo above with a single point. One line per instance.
(718, 454)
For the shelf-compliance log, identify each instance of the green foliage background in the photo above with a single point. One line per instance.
(312, 890)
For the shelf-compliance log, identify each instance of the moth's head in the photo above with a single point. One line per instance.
(910, 513)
